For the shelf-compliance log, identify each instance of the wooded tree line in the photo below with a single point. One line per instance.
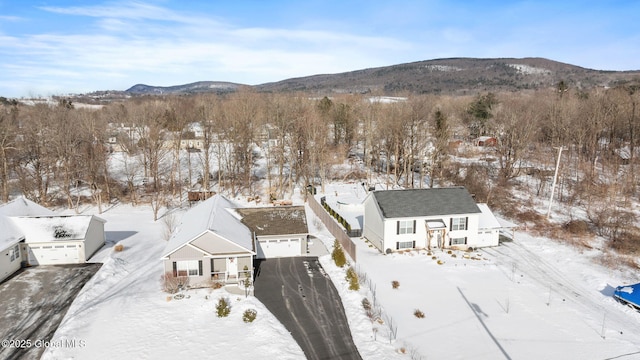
(60, 154)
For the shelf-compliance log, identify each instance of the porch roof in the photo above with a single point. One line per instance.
(435, 224)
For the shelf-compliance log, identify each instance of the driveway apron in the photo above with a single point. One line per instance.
(302, 297)
(35, 302)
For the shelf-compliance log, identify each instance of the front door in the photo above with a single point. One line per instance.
(232, 267)
(436, 239)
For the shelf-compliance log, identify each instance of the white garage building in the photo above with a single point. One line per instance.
(31, 234)
(56, 240)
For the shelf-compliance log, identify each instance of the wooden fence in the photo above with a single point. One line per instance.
(334, 227)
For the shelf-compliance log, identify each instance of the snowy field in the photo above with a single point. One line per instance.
(528, 299)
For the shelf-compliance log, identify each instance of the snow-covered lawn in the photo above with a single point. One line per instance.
(547, 305)
(529, 299)
(122, 312)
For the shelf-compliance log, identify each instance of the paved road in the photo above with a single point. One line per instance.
(34, 303)
(305, 301)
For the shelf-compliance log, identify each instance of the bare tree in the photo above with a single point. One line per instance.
(152, 134)
(35, 163)
(241, 113)
(8, 134)
(515, 124)
(91, 129)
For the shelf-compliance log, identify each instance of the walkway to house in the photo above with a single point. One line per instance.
(316, 247)
(300, 295)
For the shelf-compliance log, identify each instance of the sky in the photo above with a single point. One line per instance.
(71, 46)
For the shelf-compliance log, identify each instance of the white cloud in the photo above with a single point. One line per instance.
(11, 18)
(137, 41)
(125, 10)
(123, 43)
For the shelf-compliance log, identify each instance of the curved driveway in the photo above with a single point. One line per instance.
(300, 295)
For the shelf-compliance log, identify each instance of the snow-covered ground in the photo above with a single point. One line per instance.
(529, 299)
(532, 298)
(122, 312)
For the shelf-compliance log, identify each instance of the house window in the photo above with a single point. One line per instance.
(406, 227)
(14, 253)
(458, 223)
(459, 241)
(188, 268)
(405, 245)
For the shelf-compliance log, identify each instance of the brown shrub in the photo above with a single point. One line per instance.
(626, 242)
(395, 284)
(118, 247)
(529, 216)
(172, 283)
(418, 313)
(576, 227)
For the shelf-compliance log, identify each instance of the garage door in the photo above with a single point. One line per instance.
(54, 254)
(279, 248)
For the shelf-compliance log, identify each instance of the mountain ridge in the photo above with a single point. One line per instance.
(195, 87)
(448, 76)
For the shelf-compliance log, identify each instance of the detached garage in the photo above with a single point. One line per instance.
(55, 240)
(277, 231)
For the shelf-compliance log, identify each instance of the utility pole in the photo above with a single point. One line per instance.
(555, 178)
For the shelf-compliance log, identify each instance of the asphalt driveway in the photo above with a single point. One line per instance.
(305, 301)
(34, 303)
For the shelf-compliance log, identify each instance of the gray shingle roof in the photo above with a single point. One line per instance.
(275, 220)
(425, 202)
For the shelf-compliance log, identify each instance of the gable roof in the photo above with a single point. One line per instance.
(487, 219)
(54, 228)
(282, 220)
(10, 234)
(425, 202)
(24, 207)
(215, 215)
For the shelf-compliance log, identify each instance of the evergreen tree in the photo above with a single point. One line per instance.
(338, 254)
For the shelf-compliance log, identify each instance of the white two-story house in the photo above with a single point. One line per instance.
(426, 218)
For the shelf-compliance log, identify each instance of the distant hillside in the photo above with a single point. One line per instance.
(456, 76)
(193, 88)
(440, 76)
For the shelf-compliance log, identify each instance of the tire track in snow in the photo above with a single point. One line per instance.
(549, 276)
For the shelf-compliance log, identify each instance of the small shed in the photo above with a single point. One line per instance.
(485, 141)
